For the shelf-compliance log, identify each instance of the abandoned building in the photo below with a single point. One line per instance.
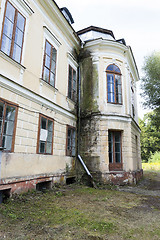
(64, 93)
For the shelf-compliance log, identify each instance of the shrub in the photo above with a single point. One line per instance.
(155, 158)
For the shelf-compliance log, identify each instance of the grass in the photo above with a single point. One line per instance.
(79, 212)
(151, 166)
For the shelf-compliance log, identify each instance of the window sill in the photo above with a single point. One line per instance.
(42, 81)
(116, 104)
(69, 99)
(12, 61)
(116, 171)
(46, 154)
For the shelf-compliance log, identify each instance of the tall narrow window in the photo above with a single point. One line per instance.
(8, 113)
(72, 84)
(12, 32)
(71, 142)
(49, 64)
(114, 88)
(45, 135)
(115, 151)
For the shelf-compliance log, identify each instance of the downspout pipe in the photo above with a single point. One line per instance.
(1, 149)
(84, 166)
(88, 172)
(78, 120)
(79, 124)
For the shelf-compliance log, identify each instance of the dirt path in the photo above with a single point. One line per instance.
(149, 185)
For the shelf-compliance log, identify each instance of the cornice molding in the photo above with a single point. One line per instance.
(32, 96)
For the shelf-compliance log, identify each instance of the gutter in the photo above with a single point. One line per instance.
(1, 149)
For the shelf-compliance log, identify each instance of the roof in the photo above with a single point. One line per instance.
(75, 34)
(64, 9)
(97, 29)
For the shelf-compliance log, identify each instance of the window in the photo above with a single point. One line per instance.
(132, 95)
(114, 89)
(12, 33)
(45, 135)
(71, 142)
(72, 84)
(115, 150)
(49, 64)
(8, 116)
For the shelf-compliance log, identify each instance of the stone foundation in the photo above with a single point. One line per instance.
(25, 185)
(122, 178)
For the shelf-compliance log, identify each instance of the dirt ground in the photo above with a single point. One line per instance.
(149, 185)
(77, 212)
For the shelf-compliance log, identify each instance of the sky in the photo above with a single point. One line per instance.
(137, 21)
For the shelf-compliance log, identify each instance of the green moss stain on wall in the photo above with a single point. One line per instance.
(89, 84)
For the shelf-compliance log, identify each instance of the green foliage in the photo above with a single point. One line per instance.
(155, 158)
(151, 167)
(150, 136)
(151, 81)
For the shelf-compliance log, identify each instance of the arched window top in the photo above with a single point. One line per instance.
(113, 68)
(114, 85)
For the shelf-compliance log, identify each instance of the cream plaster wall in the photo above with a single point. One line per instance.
(33, 52)
(20, 166)
(22, 84)
(110, 52)
(24, 161)
(125, 127)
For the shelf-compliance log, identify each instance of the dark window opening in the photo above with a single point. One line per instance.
(4, 195)
(71, 141)
(115, 150)
(72, 84)
(43, 186)
(70, 180)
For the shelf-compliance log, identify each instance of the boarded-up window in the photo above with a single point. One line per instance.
(45, 135)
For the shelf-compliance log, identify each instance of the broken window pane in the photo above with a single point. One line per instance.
(71, 142)
(46, 136)
(7, 124)
(42, 147)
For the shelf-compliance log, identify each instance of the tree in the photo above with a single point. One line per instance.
(150, 83)
(150, 135)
